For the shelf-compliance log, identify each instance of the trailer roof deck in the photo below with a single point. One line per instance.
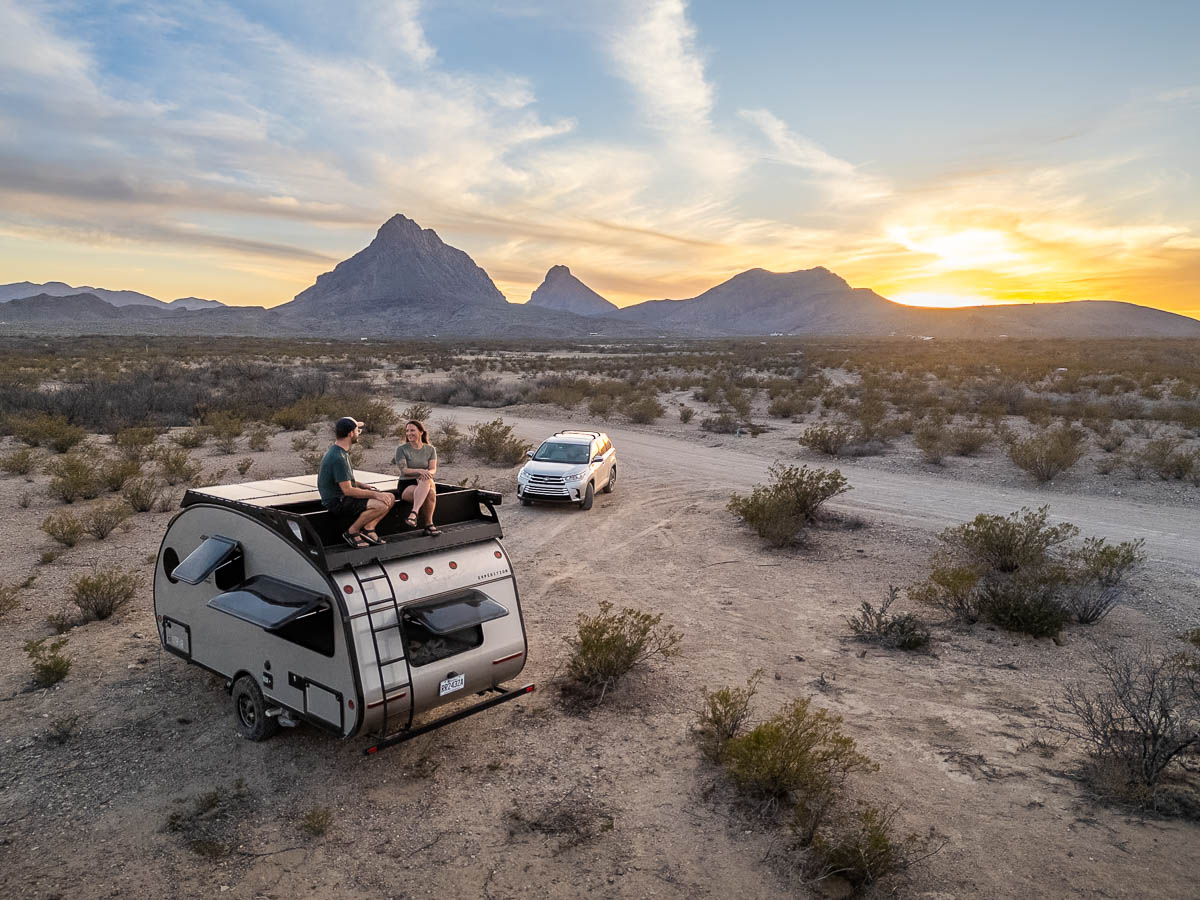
(291, 506)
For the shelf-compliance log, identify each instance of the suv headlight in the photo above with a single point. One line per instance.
(522, 475)
(575, 476)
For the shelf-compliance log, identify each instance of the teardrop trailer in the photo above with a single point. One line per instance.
(253, 583)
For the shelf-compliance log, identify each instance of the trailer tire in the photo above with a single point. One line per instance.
(588, 496)
(250, 708)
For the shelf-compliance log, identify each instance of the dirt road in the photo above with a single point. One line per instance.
(1172, 533)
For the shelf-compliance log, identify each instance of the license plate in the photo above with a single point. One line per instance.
(450, 685)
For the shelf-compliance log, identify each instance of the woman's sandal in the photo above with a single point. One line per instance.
(411, 520)
(357, 541)
(432, 530)
(372, 537)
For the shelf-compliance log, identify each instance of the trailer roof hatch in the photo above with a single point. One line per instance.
(212, 553)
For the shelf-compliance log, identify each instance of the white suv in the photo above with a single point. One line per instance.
(569, 467)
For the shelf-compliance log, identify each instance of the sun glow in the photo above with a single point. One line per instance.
(943, 301)
(971, 248)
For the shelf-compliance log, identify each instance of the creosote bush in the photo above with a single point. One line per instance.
(41, 430)
(244, 465)
(685, 414)
(100, 520)
(608, 645)
(778, 512)
(115, 472)
(1017, 572)
(723, 714)
(1049, 453)
(63, 527)
(859, 847)
(496, 444)
(142, 493)
(644, 410)
(176, 467)
(50, 666)
(832, 440)
(190, 438)
(448, 438)
(419, 411)
(103, 592)
(72, 478)
(880, 626)
(134, 443)
(19, 462)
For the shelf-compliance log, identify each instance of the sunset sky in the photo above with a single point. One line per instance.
(937, 152)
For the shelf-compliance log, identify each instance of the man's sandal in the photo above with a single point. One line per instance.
(357, 541)
(432, 530)
(372, 537)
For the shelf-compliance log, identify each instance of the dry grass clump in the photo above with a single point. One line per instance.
(1017, 572)
(496, 444)
(102, 593)
(903, 631)
(608, 645)
(8, 598)
(779, 512)
(72, 477)
(50, 666)
(1048, 453)
(1139, 725)
(63, 527)
(317, 820)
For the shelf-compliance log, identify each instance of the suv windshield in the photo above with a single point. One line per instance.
(556, 451)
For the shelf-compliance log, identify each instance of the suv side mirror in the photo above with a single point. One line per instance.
(598, 458)
(529, 453)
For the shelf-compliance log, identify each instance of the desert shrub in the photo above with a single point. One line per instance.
(19, 462)
(62, 621)
(1049, 453)
(859, 848)
(600, 405)
(644, 410)
(244, 465)
(934, 443)
(311, 460)
(685, 414)
(724, 422)
(1165, 459)
(1113, 440)
(419, 411)
(778, 512)
(468, 389)
(115, 472)
(259, 440)
(133, 443)
(63, 527)
(788, 406)
(302, 442)
(190, 438)
(50, 666)
(880, 626)
(100, 520)
(968, 440)
(177, 467)
(299, 414)
(798, 754)
(50, 431)
(1107, 465)
(608, 645)
(8, 598)
(103, 592)
(496, 444)
(223, 424)
(952, 590)
(832, 440)
(225, 444)
(72, 477)
(1015, 572)
(447, 437)
(1023, 539)
(142, 493)
(1138, 723)
(723, 715)
(24, 499)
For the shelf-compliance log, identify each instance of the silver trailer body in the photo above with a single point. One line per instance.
(251, 585)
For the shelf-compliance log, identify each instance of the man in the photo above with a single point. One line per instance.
(345, 498)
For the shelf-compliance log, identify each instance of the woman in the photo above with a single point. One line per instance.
(418, 459)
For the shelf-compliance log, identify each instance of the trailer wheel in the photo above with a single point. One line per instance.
(253, 723)
(588, 496)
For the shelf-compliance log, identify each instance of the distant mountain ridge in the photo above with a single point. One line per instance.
(408, 282)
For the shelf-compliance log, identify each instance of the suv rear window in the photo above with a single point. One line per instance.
(558, 451)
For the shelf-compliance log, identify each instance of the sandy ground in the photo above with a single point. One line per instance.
(533, 799)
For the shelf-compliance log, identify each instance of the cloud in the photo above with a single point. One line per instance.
(842, 181)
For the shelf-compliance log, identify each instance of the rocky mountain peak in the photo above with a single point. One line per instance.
(562, 291)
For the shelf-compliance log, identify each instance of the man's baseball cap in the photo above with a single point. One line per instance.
(345, 426)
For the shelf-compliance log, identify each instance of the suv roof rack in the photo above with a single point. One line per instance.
(593, 434)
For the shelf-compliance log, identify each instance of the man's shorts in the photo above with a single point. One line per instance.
(346, 509)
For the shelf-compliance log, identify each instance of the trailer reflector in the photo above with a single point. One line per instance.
(429, 570)
(349, 589)
(498, 554)
(496, 662)
(453, 564)
(404, 576)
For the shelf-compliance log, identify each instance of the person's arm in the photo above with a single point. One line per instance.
(432, 462)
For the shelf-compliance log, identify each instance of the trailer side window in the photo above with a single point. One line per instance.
(449, 626)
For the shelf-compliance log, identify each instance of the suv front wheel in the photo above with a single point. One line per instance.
(588, 496)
